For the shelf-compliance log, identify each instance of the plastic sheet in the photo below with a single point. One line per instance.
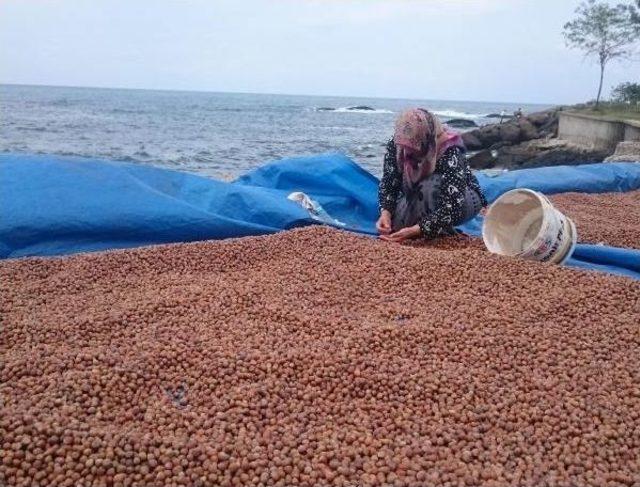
(586, 178)
(53, 205)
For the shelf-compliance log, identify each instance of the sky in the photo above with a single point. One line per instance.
(481, 50)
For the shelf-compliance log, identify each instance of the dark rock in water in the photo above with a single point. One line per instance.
(461, 123)
(482, 160)
(361, 107)
(325, 109)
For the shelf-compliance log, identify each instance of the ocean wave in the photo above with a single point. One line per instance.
(457, 114)
(60, 102)
(127, 111)
(31, 129)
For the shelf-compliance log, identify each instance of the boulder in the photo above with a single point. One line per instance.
(486, 136)
(566, 157)
(500, 145)
(530, 141)
(471, 142)
(628, 151)
(528, 131)
(509, 132)
(482, 160)
(461, 123)
(514, 131)
(550, 127)
(547, 152)
(540, 118)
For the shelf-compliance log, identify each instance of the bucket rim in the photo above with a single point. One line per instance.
(550, 214)
(544, 202)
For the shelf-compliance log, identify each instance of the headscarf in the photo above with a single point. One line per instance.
(422, 132)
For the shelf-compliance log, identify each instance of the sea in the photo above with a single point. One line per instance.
(219, 135)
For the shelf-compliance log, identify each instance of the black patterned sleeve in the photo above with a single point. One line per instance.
(450, 209)
(391, 181)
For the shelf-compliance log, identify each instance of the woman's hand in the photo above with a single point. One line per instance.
(384, 223)
(402, 235)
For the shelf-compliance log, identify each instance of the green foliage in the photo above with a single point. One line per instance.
(603, 31)
(634, 11)
(626, 93)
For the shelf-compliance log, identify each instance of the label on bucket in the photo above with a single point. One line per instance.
(556, 246)
(552, 238)
(542, 248)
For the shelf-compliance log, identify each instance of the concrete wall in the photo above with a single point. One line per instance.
(632, 132)
(590, 131)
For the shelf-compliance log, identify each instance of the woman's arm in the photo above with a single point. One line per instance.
(391, 181)
(450, 208)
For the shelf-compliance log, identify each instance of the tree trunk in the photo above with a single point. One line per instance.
(601, 80)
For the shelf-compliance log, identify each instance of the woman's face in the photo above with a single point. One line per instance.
(410, 154)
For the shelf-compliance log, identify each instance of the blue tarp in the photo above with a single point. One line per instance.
(53, 205)
(587, 178)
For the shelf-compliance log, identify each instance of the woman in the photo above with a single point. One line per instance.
(427, 187)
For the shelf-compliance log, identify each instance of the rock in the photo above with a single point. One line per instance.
(361, 107)
(547, 152)
(461, 123)
(550, 126)
(514, 131)
(628, 151)
(539, 118)
(528, 131)
(510, 132)
(482, 160)
(530, 142)
(325, 109)
(471, 142)
(500, 145)
(567, 156)
(484, 137)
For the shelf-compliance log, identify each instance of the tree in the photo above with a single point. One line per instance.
(602, 31)
(626, 93)
(634, 11)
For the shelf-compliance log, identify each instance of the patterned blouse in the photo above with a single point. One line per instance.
(453, 167)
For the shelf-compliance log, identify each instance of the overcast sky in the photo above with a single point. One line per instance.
(486, 50)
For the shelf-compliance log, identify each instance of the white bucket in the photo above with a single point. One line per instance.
(523, 223)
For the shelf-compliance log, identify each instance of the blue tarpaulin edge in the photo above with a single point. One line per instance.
(57, 205)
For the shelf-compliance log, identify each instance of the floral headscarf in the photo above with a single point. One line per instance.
(421, 131)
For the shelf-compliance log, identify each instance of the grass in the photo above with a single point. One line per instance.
(612, 111)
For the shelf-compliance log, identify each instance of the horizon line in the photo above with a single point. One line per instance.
(176, 90)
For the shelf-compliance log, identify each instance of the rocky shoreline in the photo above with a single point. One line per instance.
(525, 142)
